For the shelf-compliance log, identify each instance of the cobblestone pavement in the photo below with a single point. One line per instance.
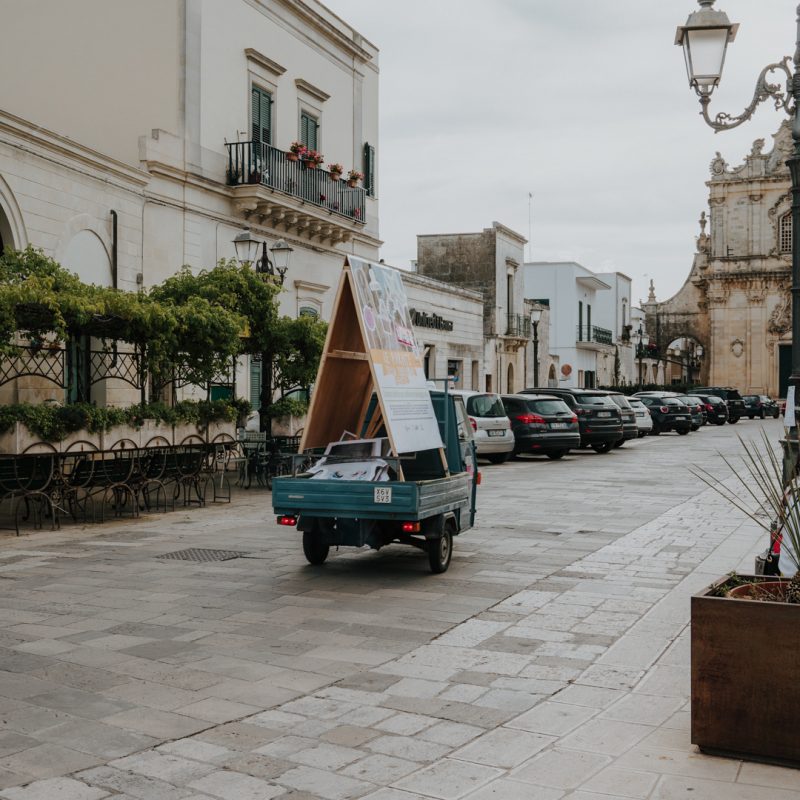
(549, 662)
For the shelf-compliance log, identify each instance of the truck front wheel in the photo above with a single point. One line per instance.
(315, 549)
(440, 551)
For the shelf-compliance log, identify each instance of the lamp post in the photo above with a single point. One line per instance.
(698, 351)
(275, 269)
(704, 39)
(536, 317)
(641, 343)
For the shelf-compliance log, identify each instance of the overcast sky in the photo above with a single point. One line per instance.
(584, 103)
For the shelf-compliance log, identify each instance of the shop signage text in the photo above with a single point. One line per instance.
(424, 320)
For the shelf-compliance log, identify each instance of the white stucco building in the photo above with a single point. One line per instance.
(150, 133)
(579, 334)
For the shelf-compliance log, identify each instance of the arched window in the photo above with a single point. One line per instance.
(308, 311)
(510, 379)
(785, 233)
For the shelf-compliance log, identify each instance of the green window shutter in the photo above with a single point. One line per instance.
(308, 131)
(369, 169)
(261, 115)
(255, 383)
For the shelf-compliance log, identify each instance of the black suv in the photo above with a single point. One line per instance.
(668, 413)
(599, 417)
(630, 430)
(715, 408)
(542, 424)
(731, 397)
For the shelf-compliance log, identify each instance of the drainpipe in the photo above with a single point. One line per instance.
(113, 248)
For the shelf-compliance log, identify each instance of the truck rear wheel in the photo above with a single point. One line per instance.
(440, 550)
(315, 549)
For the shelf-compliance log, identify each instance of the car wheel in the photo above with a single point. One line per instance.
(498, 458)
(602, 447)
(777, 413)
(763, 414)
(682, 432)
(619, 444)
(556, 454)
(733, 420)
(695, 427)
(440, 551)
(720, 422)
(316, 551)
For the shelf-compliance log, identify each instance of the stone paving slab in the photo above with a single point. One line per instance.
(549, 662)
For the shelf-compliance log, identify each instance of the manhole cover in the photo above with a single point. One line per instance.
(202, 554)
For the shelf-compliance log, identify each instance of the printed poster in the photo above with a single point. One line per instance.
(402, 386)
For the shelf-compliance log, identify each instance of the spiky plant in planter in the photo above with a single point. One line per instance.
(775, 502)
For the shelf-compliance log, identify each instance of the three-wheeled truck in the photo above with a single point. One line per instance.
(423, 503)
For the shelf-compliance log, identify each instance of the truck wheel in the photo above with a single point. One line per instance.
(440, 551)
(315, 549)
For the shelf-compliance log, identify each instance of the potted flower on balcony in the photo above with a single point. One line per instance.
(336, 170)
(296, 151)
(746, 629)
(312, 159)
(353, 177)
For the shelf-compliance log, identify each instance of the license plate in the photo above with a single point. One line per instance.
(603, 413)
(495, 433)
(383, 494)
(681, 417)
(558, 424)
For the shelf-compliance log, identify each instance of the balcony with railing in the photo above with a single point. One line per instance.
(591, 336)
(518, 326)
(295, 194)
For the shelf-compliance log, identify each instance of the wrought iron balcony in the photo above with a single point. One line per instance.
(519, 325)
(258, 164)
(592, 334)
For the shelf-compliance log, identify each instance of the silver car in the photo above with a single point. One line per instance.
(491, 426)
(644, 422)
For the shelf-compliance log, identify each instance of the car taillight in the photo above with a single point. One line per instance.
(574, 420)
(709, 407)
(473, 423)
(530, 419)
(664, 409)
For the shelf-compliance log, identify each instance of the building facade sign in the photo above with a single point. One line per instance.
(422, 319)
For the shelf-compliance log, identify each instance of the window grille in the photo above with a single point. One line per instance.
(785, 233)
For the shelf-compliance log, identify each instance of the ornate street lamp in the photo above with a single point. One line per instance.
(536, 318)
(705, 38)
(275, 269)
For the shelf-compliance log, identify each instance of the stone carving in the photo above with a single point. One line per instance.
(703, 240)
(719, 165)
(781, 318)
(758, 147)
(737, 347)
(651, 297)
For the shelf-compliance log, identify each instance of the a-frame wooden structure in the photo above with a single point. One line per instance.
(347, 395)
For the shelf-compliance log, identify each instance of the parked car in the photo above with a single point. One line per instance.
(696, 409)
(599, 417)
(715, 407)
(644, 422)
(731, 397)
(630, 430)
(759, 405)
(697, 401)
(494, 439)
(542, 424)
(668, 413)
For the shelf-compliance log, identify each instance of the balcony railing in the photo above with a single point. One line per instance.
(257, 163)
(591, 333)
(518, 325)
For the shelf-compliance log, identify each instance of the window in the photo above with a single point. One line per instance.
(475, 375)
(580, 322)
(588, 322)
(510, 293)
(308, 311)
(369, 169)
(454, 371)
(261, 115)
(309, 128)
(785, 233)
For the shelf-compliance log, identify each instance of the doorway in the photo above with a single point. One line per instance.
(784, 368)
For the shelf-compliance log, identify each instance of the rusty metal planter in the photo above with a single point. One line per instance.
(746, 677)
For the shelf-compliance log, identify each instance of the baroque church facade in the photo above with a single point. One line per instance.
(736, 301)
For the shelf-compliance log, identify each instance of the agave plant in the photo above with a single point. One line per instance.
(775, 503)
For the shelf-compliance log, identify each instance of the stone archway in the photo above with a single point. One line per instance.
(510, 379)
(12, 227)
(735, 301)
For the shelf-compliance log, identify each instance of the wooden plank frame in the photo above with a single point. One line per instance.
(346, 378)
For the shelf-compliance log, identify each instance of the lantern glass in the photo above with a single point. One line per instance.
(281, 253)
(246, 248)
(704, 49)
(536, 315)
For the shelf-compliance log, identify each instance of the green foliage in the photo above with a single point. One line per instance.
(53, 423)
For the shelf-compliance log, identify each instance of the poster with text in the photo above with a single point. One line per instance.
(383, 310)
